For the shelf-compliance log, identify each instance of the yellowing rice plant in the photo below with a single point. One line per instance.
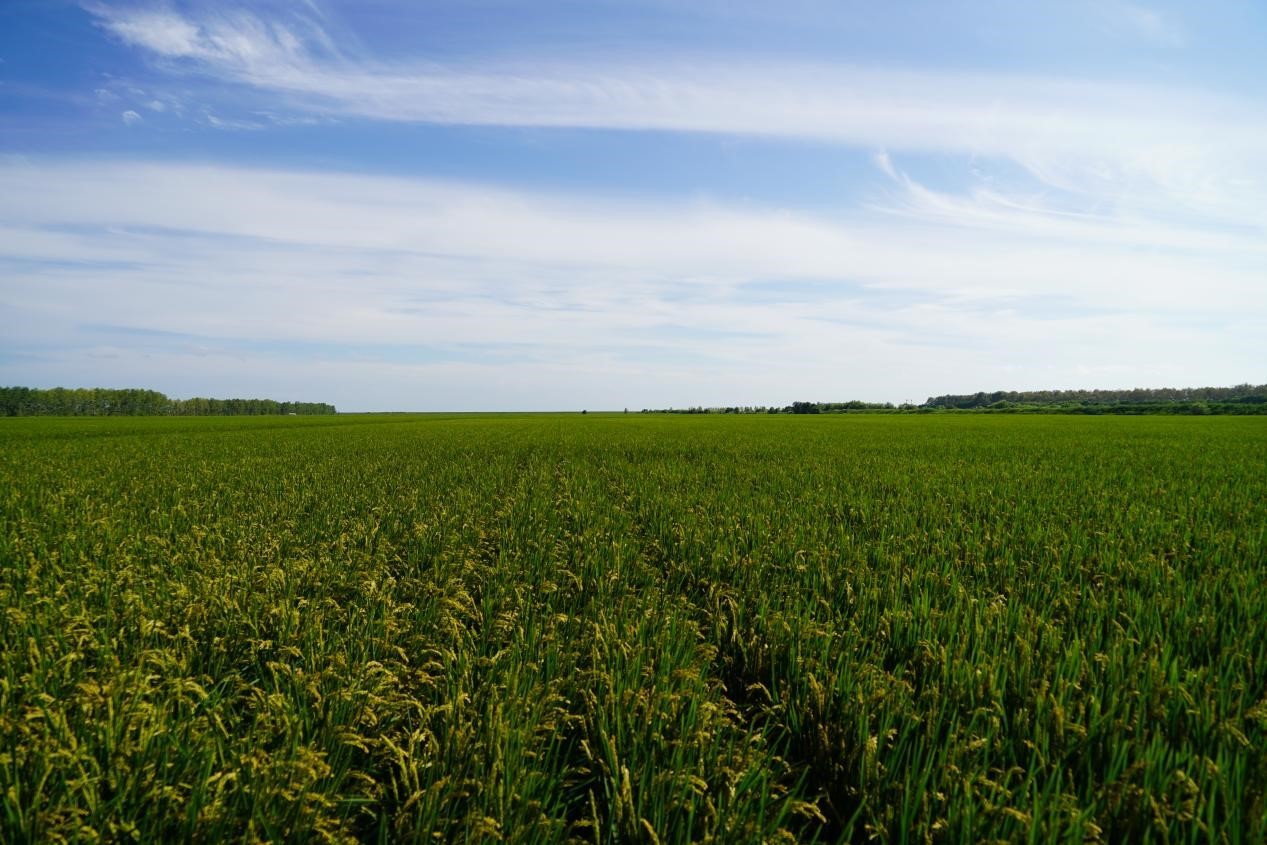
(634, 629)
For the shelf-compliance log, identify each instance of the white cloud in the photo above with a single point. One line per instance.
(1149, 144)
(131, 118)
(688, 239)
(222, 123)
(163, 31)
(885, 164)
(516, 295)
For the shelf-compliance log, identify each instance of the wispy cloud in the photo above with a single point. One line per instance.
(222, 123)
(1155, 144)
(160, 30)
(334, 264)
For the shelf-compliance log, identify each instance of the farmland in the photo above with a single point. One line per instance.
(611, 628)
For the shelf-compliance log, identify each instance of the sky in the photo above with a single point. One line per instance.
(563, 204)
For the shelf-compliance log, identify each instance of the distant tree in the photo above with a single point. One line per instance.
(1103, 398)
(97, 401)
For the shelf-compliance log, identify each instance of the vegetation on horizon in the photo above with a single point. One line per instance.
(1241, 394)
(1241, 399)
(134, 402)
(941, 628)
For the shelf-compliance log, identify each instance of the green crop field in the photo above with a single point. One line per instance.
(626, 628)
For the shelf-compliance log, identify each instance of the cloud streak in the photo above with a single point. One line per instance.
(641, 301)
(1134, 143)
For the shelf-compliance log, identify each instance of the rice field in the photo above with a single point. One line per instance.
(628, 628)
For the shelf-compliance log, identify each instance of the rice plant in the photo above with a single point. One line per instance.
(634, 629)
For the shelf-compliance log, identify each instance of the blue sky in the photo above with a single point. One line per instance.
(494, 205)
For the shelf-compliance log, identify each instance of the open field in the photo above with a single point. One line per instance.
(631, 628)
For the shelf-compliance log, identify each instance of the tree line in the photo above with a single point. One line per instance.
(794, 408)
(1240, 394)
(135, 402)
(1239, 399)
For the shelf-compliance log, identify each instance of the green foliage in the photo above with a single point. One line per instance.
(1238, 399)
(634, 628)
(103, 402)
